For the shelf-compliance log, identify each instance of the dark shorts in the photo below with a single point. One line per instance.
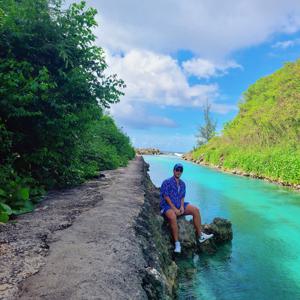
(166, 207)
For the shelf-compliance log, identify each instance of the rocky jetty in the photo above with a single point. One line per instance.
(149, 151)
(160, 278)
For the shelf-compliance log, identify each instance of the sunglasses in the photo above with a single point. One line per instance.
(179, 170)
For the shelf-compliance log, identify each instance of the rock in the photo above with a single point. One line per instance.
(186, 234)
(187, 156)
(154, 283)
(99, 176)
(221, 228)
(157, 285)
(4, 287)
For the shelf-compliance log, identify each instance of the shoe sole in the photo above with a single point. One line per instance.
(206, 239)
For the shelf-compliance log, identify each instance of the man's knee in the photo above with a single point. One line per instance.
(171, 216)
(195, 210)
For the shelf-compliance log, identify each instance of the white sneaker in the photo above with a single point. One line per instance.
(177, 247)
(205, 237)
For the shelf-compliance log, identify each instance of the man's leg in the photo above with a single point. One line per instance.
(194, 211)
(172, 219)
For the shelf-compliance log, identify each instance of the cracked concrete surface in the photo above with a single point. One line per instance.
(79, 243)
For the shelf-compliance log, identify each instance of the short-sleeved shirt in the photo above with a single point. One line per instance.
(175, 192)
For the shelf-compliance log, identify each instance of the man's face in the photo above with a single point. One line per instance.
(177, 172)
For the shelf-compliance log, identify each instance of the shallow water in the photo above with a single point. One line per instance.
(263, 260)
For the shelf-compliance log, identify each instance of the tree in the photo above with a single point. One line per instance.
(53, 92)
(208, 129)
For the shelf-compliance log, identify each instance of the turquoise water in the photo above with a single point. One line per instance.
(263, 259)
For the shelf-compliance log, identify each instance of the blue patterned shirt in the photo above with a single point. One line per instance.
(175, 192)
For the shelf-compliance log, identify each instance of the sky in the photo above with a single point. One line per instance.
(175, 56)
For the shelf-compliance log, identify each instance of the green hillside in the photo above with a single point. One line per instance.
(264, 138)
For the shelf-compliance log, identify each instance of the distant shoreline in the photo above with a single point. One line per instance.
(158, 152)
(187, 157)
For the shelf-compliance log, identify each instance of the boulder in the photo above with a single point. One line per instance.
(220, 227)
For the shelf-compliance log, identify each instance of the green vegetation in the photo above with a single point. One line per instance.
(53, 91)
(264, 138)
(208, 130)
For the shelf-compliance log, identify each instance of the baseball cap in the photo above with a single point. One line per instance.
(178, 165)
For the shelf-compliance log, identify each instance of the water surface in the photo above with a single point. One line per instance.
(263, 260)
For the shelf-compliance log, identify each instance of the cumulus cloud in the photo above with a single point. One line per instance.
(203, 68)
(156, 79)
(210, 29)
(286, 44)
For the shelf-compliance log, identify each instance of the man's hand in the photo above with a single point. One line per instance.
(177, 211)
(181, 210)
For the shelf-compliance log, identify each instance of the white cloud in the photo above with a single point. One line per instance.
(203, 68)
(156, 79)
(134, 115)
(286, 44)
(210, 29)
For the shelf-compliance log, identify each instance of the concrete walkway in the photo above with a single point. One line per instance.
(98, 257)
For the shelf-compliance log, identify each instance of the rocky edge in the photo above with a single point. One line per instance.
(160, 278)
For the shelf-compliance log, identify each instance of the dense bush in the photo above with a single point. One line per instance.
(264, 138)
(53, 90)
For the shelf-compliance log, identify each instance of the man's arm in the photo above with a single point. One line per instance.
(182, 205)
(182, 200)
(169, 201)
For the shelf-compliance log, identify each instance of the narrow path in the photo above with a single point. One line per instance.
(97, 257)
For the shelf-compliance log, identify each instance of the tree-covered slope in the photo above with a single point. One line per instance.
(264, 138)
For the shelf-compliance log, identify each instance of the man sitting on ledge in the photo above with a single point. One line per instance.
(172, 193)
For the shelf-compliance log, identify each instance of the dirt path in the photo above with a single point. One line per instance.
(95, 255)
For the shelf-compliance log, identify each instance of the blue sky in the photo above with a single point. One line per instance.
(176, 55)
